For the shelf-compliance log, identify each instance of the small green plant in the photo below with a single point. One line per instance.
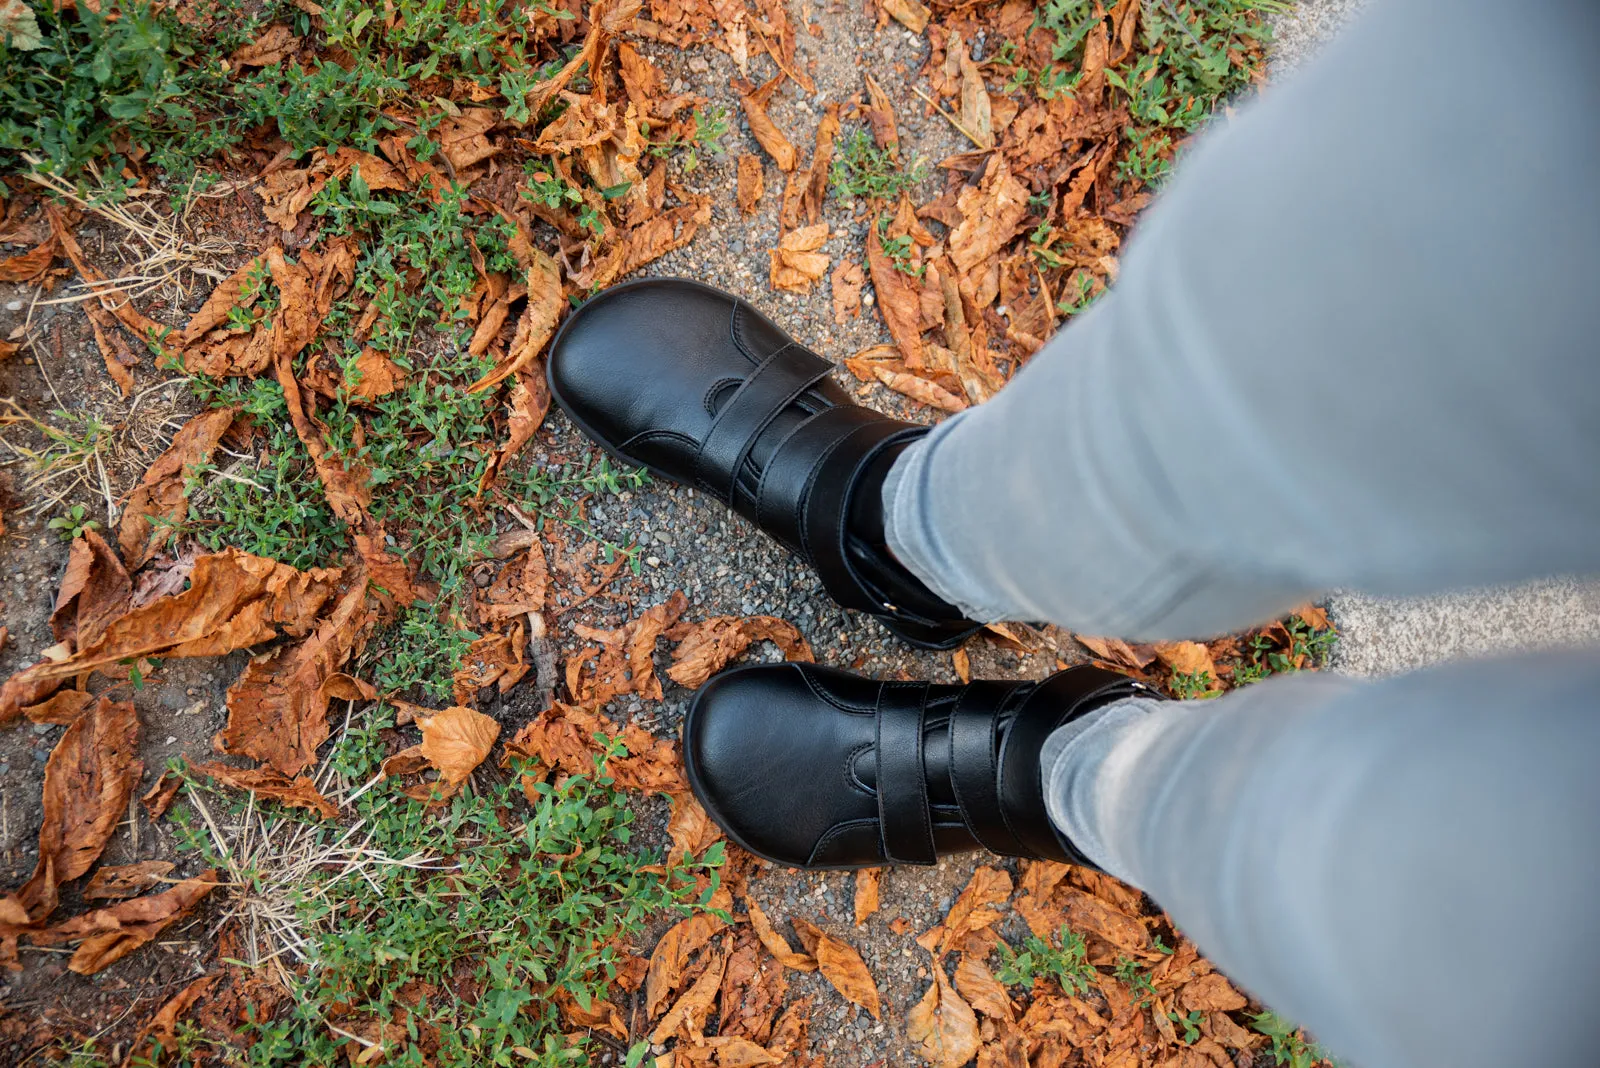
(1148, 159)
(706, 131)
(74, 524)
(1037, 959)
(1290, 1046)
(420, 649)
(1190, 1025)
(861, 169)
(1080, 294)
(1194, 685)
(1136, 979)
(1263, 657)
(898, 249)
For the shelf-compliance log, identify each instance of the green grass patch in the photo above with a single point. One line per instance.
(484, 910)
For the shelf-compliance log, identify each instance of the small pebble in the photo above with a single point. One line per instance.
(13, 305)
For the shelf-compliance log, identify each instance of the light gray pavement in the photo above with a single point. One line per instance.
(1384, 637)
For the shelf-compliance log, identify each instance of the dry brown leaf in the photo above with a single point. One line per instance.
(847, 281)
(528, 403)
(1187, 658)
(982, 990)
(899, 298)
(62, 708)
(160, 1032)
(909, 13)
(563, 737)
(124, 880)
(706, 648)
(789, 1034)
(546, 302)
(88, 779)
(1009, 1049)
(300, 792)
(962, 664)
(735, 1051)
(278, 710)
(841, 965)
(942, 1026)
(751, 184)
(1117, 652)
(992, 213)
(601, 1015)
(689, 828)
(795, 265)
(776, 944)
(230, 293)
(494, 659)
(687, 1017)
(522, 586)
(753, 989)
(977, 121)
(28, 265)
(766, 132)
(868, 882)
(1211, 993)
(95, 590)
(879, 113)
(454, 741)
(463, 137)
(162, 493)
(974, 906)
(107, 935)
(1085, 912)
(159, 797)
(920, 390)
(1314, 616)
(671, 955)
(271, 47)
(626, 663)
(375, 376)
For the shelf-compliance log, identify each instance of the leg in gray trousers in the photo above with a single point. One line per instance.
(1356, 344)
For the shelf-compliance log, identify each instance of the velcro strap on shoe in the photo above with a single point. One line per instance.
(974, 765)
(904, 818)
(787, 476)
(1057, 700)
(825, 511)
(775, 384)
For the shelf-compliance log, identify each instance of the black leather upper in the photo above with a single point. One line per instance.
(812, 767)
(701, 388)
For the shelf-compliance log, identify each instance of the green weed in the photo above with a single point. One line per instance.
(502, 902)
(74, 524)
(1135, 978)
(1194, 685)
(1037, 959)
(861, 169)
(1290, 1046)
(1190, 1025)
(1264, 658)
(898, 249)
(706, 131)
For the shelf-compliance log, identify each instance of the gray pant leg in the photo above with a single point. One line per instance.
(1354, 345)
(1410, 868)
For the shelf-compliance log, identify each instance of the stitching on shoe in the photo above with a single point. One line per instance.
(715, 388)
(839, 829)
(829, 699)
(655, 435)
(850, 777)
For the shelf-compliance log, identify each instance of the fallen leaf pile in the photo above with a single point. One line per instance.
(1031, 217)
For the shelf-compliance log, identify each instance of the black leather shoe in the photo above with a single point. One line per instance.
(815, 768)
(700, 388)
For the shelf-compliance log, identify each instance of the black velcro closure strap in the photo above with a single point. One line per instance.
(771, 387)
(826, 509)
(905, 822)
(786, 476)
(974, 765)
(1058, 699)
